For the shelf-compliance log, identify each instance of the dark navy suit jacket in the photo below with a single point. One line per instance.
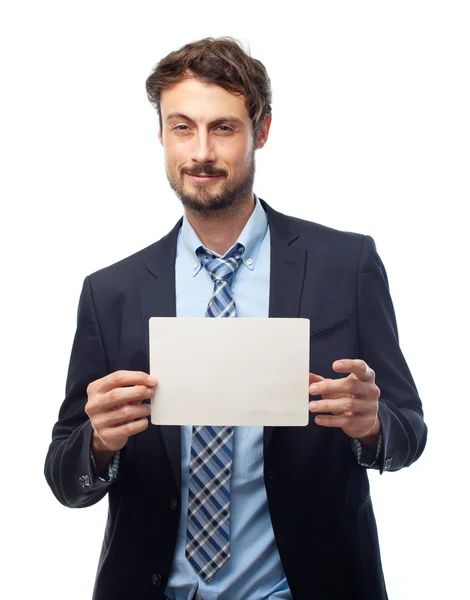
(318, 494)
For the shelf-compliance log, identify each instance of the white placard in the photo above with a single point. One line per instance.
(230, 371)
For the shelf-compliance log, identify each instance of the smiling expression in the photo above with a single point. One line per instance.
(207, 135)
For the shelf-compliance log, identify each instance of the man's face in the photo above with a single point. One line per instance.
(207, 131)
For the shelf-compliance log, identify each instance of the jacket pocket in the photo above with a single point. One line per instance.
(328, 330)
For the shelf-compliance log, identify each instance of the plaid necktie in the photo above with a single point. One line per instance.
(208, 533)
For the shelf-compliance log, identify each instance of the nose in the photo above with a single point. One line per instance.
(202, 150)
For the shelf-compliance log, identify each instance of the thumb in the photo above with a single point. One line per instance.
(313, 378)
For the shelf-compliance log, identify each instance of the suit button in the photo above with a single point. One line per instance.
(84, 481)
(173, 503)
(157, 579)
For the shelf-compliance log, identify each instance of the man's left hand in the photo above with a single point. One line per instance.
(353, 400)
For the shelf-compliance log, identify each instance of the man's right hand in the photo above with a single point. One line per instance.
(116, 411)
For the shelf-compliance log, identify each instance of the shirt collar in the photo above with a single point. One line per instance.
(251, 237)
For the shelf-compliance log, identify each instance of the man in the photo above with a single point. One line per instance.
(277, 513)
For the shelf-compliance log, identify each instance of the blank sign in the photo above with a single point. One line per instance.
(230, 371)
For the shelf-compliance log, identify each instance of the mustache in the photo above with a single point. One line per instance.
(207, 170)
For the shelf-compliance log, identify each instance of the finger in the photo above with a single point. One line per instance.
(134, 394)
(102, 404)
(326, 421)
(121, 379)
(111, 434)
(341, 405)
(338, 387)
(125, 414)
(357, 367)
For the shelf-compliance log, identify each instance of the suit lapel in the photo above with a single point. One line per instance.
(158, 299)
(286, 274)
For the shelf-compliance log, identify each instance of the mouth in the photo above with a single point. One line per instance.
(203, 178)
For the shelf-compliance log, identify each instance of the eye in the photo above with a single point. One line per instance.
(178, 127)
(224, 128)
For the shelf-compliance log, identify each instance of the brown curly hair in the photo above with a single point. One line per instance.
(221, 61)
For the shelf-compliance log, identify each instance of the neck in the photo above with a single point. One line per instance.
(220, 230)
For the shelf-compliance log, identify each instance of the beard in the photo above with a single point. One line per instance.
(203, 200)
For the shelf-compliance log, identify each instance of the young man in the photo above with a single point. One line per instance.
(274, 513)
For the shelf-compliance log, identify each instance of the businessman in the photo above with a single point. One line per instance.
(234, 513)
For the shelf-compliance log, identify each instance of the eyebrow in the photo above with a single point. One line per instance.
(229, 119)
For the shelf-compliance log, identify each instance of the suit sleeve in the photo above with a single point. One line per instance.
(404, 432)
(69, 468)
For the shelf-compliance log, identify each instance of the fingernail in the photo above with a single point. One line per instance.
(314, 388)
(152, 380)
(313, 405)
(340, 365)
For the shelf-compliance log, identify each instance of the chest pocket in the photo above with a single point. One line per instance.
(324, 332)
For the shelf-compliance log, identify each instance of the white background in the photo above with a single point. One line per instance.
(370, 133)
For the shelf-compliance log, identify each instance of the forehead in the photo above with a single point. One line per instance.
(202, 101)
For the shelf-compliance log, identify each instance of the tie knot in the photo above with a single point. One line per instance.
(223, 268)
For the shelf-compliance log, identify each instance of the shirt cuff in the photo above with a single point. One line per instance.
(367, 457)
(112, 469)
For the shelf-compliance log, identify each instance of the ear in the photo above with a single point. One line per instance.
(263, 133)
(160, 137)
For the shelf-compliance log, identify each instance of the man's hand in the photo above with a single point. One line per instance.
(353, 400)
(115, 408)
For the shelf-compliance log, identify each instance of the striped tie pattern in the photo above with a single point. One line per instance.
(208, 532)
